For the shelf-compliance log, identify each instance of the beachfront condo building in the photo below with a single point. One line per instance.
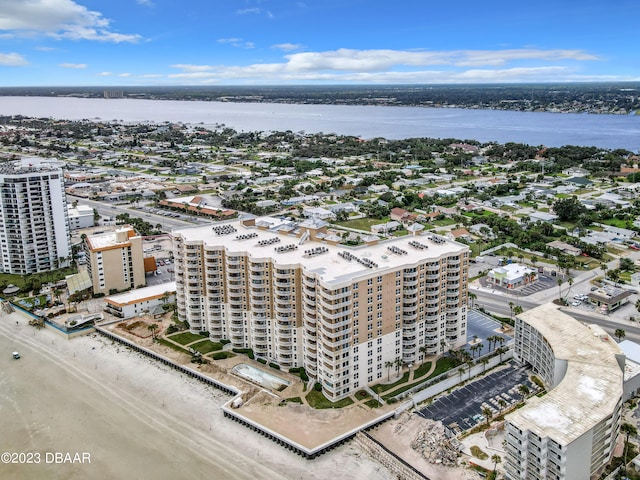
(116, 260)
(298, 298)
(570, 433)
(34, 227)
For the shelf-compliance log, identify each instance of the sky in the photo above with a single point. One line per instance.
(315, 42)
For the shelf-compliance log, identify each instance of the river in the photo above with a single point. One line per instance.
(502, 126)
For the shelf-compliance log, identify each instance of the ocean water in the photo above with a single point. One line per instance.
(532, 128)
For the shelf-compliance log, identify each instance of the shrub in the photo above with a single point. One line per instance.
(225, 341)
(303, 375)
(317, 387)
(172, 329)
(219, 355)
(262, 361)
(246, 351)
(274, 365)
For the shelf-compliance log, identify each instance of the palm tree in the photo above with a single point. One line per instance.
(423, 350)
(523, 390)
(511, 305)
(388, 364)
(559, 288)
(628, 429)
(398, 363)
(503, 403)
(638, 305)
(472, 297)
(614, 276)
(486, 411)
(620, 334)
(152, 328)
(495, 458)
(484, 362)
(500, 351)
(570, 282)
(604, 267)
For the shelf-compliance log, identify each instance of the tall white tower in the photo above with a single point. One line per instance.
(34, 224)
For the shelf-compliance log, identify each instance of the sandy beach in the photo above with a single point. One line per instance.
(119, 415)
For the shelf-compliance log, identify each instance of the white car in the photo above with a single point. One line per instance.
(576, 303)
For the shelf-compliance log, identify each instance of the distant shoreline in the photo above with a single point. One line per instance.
(594, 98)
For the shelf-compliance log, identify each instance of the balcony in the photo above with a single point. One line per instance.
(332, 297)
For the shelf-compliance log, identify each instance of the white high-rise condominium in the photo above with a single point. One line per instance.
(34, 227)
(291, 293)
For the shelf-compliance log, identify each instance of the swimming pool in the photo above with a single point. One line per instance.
(260, 377)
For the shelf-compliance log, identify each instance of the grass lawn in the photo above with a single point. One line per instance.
(171, 345)
(445, 222)
(318, 400)
(19, 280)
(362, 394)
(373, 403)
(422, 369)
(185, 337)
(383, 388)
(363, 223)
(207, 346)
(616, 222)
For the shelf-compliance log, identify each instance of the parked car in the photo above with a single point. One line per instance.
(16, 355)
(577, 303)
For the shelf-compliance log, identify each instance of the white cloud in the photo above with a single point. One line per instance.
(62, 19)
(78, 66)
(249, 11)
(125, 74)
(12, 60)
(105, 74)
(255, 11)
(287, 47)
(146, 3)
(236, 42)
(397, 66)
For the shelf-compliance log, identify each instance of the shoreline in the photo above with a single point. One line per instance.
(137, 418)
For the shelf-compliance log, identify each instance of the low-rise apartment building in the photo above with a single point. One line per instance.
(297, 298)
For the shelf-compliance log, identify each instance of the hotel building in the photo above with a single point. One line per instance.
(116, 260)
(569, 433)
(296, 297)
(34, 227)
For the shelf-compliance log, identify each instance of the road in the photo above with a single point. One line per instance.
(499, 304)
(111, 210)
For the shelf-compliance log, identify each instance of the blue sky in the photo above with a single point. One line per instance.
(274, 42)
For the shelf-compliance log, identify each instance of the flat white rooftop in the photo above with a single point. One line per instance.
(141, 294)
(331, 265)
(591, 387)
(108, 239)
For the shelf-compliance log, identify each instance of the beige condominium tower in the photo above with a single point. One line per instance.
(116, 260)
(291, 293)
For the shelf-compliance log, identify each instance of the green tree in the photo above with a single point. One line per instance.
(629, 430)
(152, 328)
(569, 209)
(486, 412)
(495, 458)
(620, 334)
(388, 364)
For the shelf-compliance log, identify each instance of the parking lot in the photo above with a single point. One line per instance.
(479, 328)
(462, 409)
